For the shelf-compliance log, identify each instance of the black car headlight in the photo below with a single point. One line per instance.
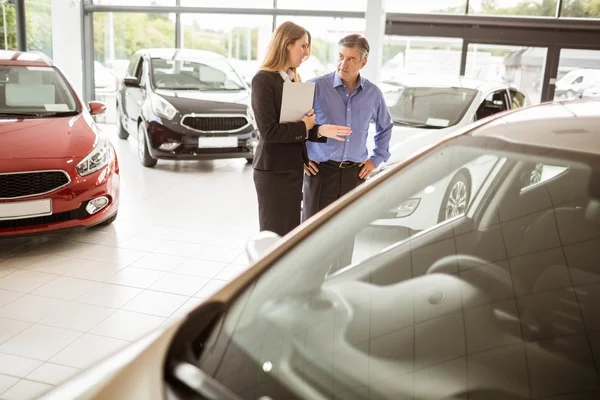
(100, 156)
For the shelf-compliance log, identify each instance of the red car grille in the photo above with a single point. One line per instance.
(215, 124)
(15, 185)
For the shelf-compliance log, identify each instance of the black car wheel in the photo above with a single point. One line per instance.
(121, 132)
(143, 153)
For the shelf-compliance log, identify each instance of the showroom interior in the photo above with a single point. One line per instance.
(69, 299)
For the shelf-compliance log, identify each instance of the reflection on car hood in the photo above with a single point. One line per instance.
(197, 100)
(45, 138)
(406, 142)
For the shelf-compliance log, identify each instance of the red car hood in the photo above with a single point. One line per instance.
(45, 138)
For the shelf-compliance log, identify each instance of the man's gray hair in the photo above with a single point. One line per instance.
(356, 42)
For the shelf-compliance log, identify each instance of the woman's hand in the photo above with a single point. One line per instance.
(336, 132)
(309, 119)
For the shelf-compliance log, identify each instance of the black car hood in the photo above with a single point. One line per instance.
(188, 101)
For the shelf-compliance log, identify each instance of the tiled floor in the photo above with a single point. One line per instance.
(69, 300)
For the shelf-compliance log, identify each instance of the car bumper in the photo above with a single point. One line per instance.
(188, 149)
(69, 205)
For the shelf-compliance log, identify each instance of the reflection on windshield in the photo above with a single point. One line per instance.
(31, 92)
(427, 107)
(496, 299)
(208, 75)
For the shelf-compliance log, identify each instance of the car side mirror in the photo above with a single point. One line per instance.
(131, 81)
(96, 107)
(260, 245)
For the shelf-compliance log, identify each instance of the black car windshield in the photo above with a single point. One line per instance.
(214, 74)
(430, 107)
(30, 92)
(471, 273)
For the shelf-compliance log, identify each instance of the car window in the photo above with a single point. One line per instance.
(132, 68)
(500, 301)
(427, 106)
(35, 90)
(494, 103)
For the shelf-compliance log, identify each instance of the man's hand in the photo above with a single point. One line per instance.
(311, 168)
(366, 168)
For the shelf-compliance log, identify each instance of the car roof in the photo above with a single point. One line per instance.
(569, 126)
(446, 81)
(170, 53)
(25, 58)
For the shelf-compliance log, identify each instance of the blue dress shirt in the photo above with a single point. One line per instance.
(335, 105)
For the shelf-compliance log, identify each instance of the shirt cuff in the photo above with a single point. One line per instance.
(376, 160)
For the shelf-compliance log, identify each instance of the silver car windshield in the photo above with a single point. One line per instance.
(430, 107)
(34, 91)
(194, 74)
(474, 272)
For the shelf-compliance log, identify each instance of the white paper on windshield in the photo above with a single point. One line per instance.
(56, 107)
(437, 122)
(297, 100)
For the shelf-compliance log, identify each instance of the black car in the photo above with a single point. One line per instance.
(185, 105)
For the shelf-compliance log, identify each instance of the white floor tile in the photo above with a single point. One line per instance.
(94, 270)
(217, 253)
(52, 264)
(187, 307)
(6, 382)
(242, 259)
(7, 296)
(136, 277)
(210, 288)
(202, 268)
(178, 249)
(156, 303)
(107, 254)
(65, 288)
(109, 295)
(231, 272)
(127, 325)
(25, 281)
(77, 316)
(26, 390)
(30, 308)
(39, 342)
(52, 374)
(4, 271)
(142, 243)
(21, 261)
(159, 262)
(11, 327)
(186, 285)
(88, 350)
(17, 366)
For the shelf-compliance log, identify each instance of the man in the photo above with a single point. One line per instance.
(345, 98)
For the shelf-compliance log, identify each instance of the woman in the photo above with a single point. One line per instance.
(281, 152)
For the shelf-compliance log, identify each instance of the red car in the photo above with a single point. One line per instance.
(57, 171)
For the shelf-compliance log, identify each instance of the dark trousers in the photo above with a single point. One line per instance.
(279, 200)
(319, 191)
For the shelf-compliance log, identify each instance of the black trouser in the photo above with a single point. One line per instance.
(279, 200)
(331, 183)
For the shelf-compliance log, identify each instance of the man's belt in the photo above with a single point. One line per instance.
(342, 164)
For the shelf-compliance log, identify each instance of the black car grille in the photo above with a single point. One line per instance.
(215, 124)
(31, 183)
(45, 220)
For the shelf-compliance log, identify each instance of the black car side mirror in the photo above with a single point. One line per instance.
(131, 81)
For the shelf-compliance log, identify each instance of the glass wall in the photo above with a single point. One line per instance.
(580, 9)
(241, 38)
(116, 37)
(325, 32)
(328, 5)
(520, 67)
(578, 75)
(429, 6)
(38, 19)
(228, 3)
(420, 55)
(531, 8)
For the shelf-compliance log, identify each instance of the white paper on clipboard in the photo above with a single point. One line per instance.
(297, 100)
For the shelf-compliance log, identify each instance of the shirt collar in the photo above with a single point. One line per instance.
(337, 81)
(287, 76)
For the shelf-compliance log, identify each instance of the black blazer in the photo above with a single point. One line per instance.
(281, 147)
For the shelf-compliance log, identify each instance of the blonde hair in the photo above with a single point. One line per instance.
(277, 51)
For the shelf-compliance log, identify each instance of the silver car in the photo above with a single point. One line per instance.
(500, 301)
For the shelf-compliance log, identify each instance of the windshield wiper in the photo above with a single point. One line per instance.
(417, 125)
(42, 114)
(61, 113)
(20, 114)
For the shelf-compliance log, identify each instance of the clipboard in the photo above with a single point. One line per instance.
(297, 100)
